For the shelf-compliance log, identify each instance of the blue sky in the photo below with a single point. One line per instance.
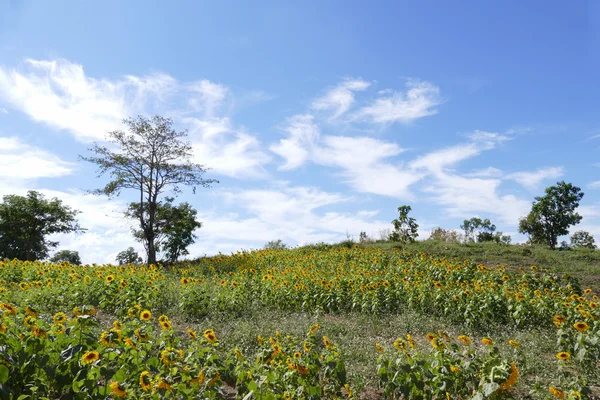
(319, 118)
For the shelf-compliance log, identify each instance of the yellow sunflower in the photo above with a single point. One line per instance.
(512, 378)
(117, 389)
(90, 357)
(145, 381)
(464, 339)
(209, 334)
(326, 342)
(513, 343)
(192, 333)
(60, 317)
(557, 393)
(487, 341)
(146, 315)
(580, 326)
(563, 355)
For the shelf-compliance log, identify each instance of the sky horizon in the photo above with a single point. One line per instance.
(319, 119)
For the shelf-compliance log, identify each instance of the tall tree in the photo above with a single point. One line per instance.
(583, 240)
(68, 256)
(553, 214)
(174, 227)
(151, 159)
(27, 221)
(405, 227)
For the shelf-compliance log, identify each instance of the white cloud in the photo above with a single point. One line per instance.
(531, 179)
(59, 94)
(340, 98)
(489, 172)
(19, 161)
(302, 135)
(3, 110)
(594, 185)
(226, 150)
(419, 101)
(437, 160)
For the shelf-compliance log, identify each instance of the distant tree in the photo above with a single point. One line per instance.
(363, 238)
(478, 230)
(444, 235)
(27, 221)
(276, 245)
(405, 227)
(69, 256)
(553, 214)
(583, 239)
(129, 256)
(173, 226)
(152, 159)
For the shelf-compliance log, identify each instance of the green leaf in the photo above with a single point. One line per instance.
(3, 373)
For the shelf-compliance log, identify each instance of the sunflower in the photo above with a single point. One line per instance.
(163, 318)
(192, 333)
(557, 393)
(145, 381)
(164, 385)
(166, 325)
(259, 339)
(117, 324)
(297, 354)
(593, 305)
(580, 326)
(9, 309)
(400, 344)
(90, 357)
(170, 355)
(146, 315)
(3, 328)
(209, 334)
(184, 281)
(464, 339)
(326, 342)
(513, 343)
(314, 329)
(454, 368)
(587, 291)
(59, 317)
(238, 353)
(39, 332)
(563, 355)
(142, 335)
(306, 346)
(117, 389)
(512, 378)
(110, 279)
(411, 342)
(58, 328)
(30, 321)
(487, 341)
(379, 348)
(430, 337)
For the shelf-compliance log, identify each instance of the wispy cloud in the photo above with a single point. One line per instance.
(340, 98)
(489, 172)
(419, 100)
(19, 161)
(297, 147)
(532, 179)
(594, 185)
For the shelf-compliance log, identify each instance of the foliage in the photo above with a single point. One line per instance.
(173, 226)
(129, 256)
(446, 236)
(27, 221)
(553, 214)
(583, 239)
(405, 227)
(275, 245)
(152, 159)
(478, 230)
(69, 256)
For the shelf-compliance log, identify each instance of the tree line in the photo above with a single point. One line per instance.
(152, 159)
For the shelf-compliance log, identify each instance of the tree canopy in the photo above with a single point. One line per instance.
(552, 215)
(405, 227)
(27, 221)
(129, 256)
(68, 256)
(151, 159)
(174, 227)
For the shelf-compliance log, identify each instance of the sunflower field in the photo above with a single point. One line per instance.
(134, 331)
